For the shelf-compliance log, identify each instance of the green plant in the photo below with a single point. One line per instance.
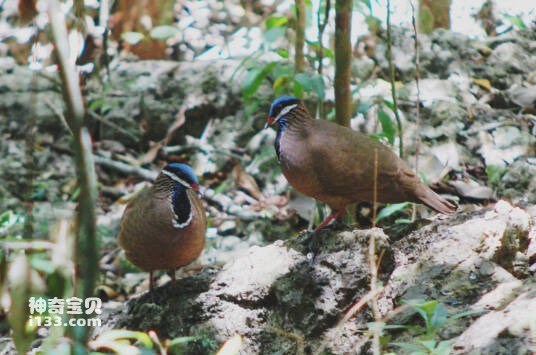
(392, 209)
(272, 64)
(435, 318)
(495, 174)
(124, 341)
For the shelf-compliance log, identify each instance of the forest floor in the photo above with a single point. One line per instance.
(463, 282)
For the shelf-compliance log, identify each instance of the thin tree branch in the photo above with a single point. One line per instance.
(392, 80)
(86, 243)
(418, 103)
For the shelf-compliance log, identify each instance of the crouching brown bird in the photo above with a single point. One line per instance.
(164, 226)
(336, 165)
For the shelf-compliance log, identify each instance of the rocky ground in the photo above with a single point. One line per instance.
(281, 289)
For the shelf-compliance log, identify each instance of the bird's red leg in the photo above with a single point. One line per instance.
(151, 284)
(335, 214)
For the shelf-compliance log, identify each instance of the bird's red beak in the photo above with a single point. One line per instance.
(195, 187)
(269, 121)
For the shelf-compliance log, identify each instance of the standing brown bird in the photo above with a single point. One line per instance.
(164, 226)
(337, 165)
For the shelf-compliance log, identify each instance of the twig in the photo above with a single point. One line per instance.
(392, 80)
(356, 307)
(418, 104)
(59, 114)
(114, 126)
(376, 349)
(375, 188)
(33, 245)
(226, 203)
(145, 174)
(86, 243)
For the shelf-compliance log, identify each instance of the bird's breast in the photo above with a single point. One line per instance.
(296, 163)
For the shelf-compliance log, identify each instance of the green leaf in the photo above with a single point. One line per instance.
(297, 89)
(304, 80)
(364, 106)
(495, 174)
(182, 340)
(255, 77)
(387, 126)
(95, 104)
(283, 53)
(280, 84)
(329, 53)
(438, 318)
(428, 344)
(465, 314)
(391, 210)
(516, 21)
(132, 37)
(163, 32)
(413, 348)
(389, 104)
(276, 21)
(443, 347)
(272, 35)
(402, 221)
(319, 87)
(428, 307)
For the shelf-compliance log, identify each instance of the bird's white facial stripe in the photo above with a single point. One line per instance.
(284, 111)
(176, 224)
(177, 179)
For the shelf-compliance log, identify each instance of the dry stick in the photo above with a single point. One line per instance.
(145, 174)
(392, 80)
(226, 203)
(376, 349)
(350, 313)
(86, 244)
(418, 104)
(118, 128)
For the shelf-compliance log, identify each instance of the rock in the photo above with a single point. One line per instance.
(149, 94)
(504, 145)
(264, 294)
(502, 331)
(467, 263)
(511, 57)
(518, 181)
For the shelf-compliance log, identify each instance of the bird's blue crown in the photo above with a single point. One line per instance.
(281, 102)
(182, 171)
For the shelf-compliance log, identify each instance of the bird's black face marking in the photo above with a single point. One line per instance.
(280, 103)
(182, 174)
(184, 178)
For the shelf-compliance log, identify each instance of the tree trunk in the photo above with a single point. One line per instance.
(434, 14)
(343, 55)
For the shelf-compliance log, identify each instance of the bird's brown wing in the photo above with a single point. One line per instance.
(345, 162)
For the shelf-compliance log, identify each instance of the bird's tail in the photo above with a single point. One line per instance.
(436, 202)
